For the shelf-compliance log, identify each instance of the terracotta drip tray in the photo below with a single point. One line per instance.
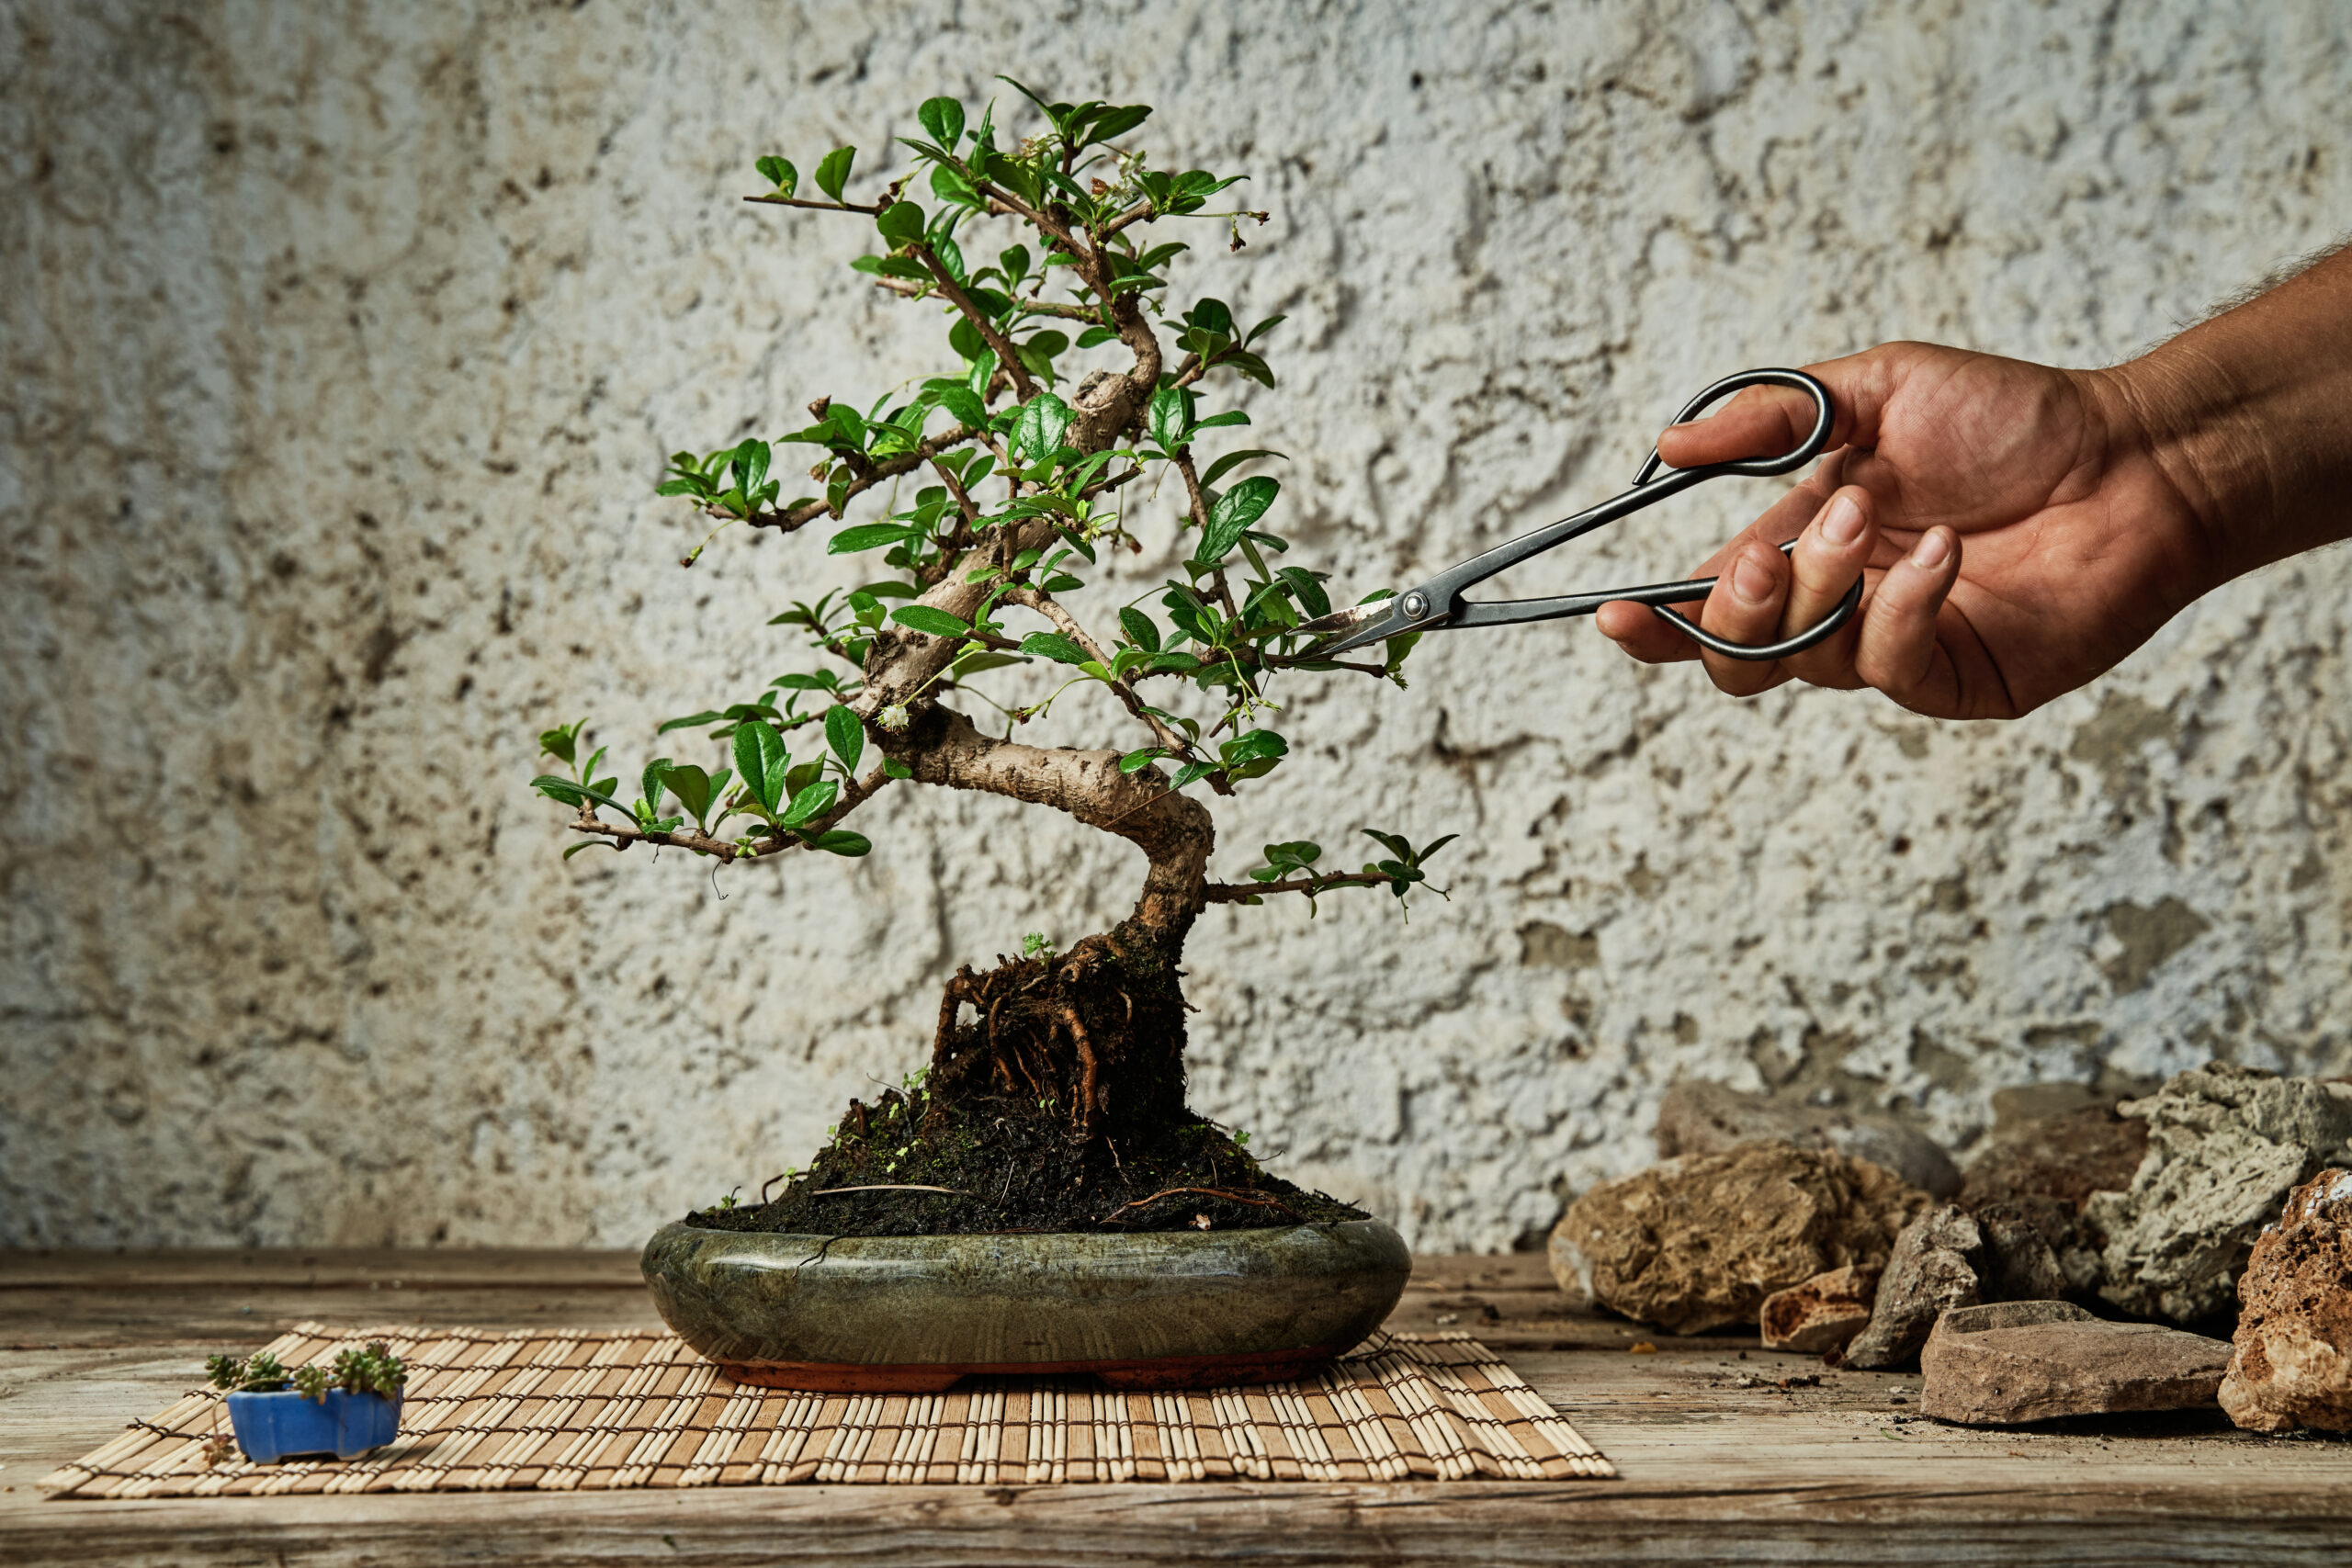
(1165, 1372)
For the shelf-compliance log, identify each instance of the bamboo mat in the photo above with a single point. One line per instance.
(583, 1410)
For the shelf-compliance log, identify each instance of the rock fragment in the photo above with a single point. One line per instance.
(2225, 1145)
(1934, 1269)
(1820, 1314)
(2017, 1361)
(2050, 1147)
(2018, 1264)
(2293, 1362)
(1699, 1118)
(1699, 1242)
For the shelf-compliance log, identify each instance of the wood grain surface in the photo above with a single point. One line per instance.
(1730, 1454)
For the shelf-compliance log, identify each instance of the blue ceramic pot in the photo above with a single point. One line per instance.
(273, 1427)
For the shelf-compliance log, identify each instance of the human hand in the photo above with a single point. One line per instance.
(2017, 535)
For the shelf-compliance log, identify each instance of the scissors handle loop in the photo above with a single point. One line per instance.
(1797, 456)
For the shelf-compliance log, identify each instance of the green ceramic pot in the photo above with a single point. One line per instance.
(914, 1313)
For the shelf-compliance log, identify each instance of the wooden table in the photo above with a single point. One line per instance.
(1729, 1453)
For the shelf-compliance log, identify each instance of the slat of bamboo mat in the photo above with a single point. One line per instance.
(571, 1409)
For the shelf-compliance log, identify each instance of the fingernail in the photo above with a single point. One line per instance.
(1750, 583)
(1931, 551)
(1842, 523)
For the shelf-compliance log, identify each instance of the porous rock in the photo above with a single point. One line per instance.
(1701, 1118)
(2016, 1361)
(1699, 1242)
(1822, 1314)
(2226, 1144)
(1934, 1269)
(2292, 1366)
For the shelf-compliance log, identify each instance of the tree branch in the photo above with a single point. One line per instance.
(889, 468)
(1037, 599)
(1005, 355)
(873, 211)
(725, 851)
(1174, 831)
(1243, 892)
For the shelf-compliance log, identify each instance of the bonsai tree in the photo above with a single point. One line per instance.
(1077, 400)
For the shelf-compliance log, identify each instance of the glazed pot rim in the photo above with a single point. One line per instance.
(917, 1245)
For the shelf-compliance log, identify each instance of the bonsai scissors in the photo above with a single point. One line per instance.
(1436, 604)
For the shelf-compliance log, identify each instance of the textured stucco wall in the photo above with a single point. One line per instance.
(340, 345)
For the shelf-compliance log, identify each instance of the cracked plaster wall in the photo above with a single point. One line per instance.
(342, 343)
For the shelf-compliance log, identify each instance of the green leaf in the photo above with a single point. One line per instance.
(800, 775)
(560, 744)
(1430, 849)
(1114, 123)
(1054, 645)
(814, 800)
(894, 768)
(1307, 588)
(1191, 772)
(901, 223)
(841, 842)
(1395, 843)
(760, 758)
(1140, 629)
(1094, 337)
(1255, 744)
(1230, 518)
(695, 790)
(938, 622)
(832, 171)
(1166, 418)
(943, 117)
(1135, 762)
(690, 721)
(571, 794)
(965, 405)
(1211, 316)
(870, 536)
(1248, 364)
(1218, 422)
(1233, 460)
(779, 174)
(952, 188)
(845, 735)
(656, 771)
(1045, 420)
(590, 844)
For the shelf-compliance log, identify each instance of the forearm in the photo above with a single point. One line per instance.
(2249, 418)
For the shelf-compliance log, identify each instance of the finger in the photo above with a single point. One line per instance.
(1897, 651)
(1637, 631)
(1757, 423)
(1746, 606)
(1828, 560)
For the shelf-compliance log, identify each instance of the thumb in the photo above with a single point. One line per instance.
(1762, 421)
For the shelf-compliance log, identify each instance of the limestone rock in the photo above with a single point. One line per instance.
(2294, 1362)
(1820, 1314)
(2225, 1145)
(1934, 1269)
(1701, 1118)
(1699, 1242)
(1997, 1366)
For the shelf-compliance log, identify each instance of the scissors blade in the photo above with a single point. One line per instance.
(1352, 629)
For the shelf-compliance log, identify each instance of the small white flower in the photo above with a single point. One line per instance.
(893, 718)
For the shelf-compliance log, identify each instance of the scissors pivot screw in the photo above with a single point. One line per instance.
(1417, 604)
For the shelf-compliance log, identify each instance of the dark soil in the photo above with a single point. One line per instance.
(1053, 1102)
